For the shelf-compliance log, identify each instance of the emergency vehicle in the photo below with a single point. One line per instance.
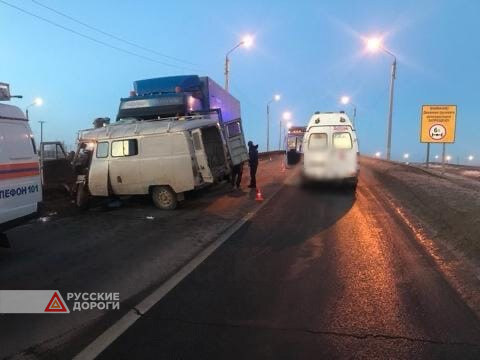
(20, 182)
(330, 149)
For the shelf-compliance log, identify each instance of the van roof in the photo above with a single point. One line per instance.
(11, 112)
(329, 119)
(127, 128)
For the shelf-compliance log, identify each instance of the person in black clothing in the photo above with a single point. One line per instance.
(237, 171)
(253, 162)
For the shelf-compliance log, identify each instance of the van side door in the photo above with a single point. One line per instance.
(201, 156)
(236, 142)
(98, 174)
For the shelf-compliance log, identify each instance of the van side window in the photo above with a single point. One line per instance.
(124, 148)
(197, 144)
(102, 149)
(234, 129)
(342, 140)
(317, 141)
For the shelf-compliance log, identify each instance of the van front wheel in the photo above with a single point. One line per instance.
(164, 197)
(81, 197)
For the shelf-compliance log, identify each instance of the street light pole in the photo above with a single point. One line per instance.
(247, 41)
(227, 70)
(41, 148)
(354, 114)
(275, 98)
(390, 109)
(286, 116)
(374, 44)
(268, 125)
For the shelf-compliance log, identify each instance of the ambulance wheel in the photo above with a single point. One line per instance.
(81, 199)
(352, 185)
(164, 197)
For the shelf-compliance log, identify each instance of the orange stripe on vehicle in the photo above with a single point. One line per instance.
(19, 174)
(18, 166)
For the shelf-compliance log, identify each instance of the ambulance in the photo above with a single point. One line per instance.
(330, 149)
(20, 182)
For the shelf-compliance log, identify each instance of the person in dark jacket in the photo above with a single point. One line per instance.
(236, 179)
(253, 162)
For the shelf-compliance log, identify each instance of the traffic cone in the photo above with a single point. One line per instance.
(259, 196)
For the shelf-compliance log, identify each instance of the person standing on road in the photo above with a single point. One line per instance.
(237, 172)
(253, 162)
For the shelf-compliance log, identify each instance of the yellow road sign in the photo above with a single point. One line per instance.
(438, 123)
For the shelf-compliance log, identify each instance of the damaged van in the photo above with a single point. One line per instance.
(162, 158)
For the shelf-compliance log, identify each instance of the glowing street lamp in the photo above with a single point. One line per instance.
(345, 100)
(275, 97)
(36, 102)
(448, 158)
(373, 45)
(406, 156)
(289, 125)
(287, 115)
(378, 154)
(247, 42)
(470, 158)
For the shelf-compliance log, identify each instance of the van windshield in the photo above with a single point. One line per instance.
(317, 141)
(342, 140)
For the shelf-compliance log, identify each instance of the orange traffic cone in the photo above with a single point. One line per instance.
(259, 196)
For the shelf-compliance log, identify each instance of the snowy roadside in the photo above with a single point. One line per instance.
(448, 205)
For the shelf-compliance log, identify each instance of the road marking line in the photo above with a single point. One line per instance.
(97, 346)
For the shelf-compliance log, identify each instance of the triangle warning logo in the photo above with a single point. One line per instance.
(56, 304)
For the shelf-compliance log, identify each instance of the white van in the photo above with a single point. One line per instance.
(163, 158)
(331, 149)
(20, 184)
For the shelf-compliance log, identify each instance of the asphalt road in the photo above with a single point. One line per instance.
(318, 273)
(129, 250)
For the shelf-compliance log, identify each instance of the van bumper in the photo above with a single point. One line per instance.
(321, 175)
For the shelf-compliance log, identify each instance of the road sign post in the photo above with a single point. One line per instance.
(443, 158)
(427, 160)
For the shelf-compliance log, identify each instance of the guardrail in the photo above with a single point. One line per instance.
(265, 154)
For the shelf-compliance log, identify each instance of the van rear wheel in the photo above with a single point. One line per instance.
(164, 197)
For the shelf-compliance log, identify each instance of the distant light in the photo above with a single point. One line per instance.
(276, 97)
(470, 157)
(406, 156)
(448, 158)
(373, 44)
(436, 156)
(289, 125)
(247, 41)
(378, 154)
(38, 101)
(287, 115)
(345, 100)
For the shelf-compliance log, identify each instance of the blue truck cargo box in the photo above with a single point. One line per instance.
(203, 92)
(187, 83)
